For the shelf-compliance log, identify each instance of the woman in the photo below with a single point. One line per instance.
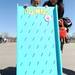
(52, 3)
(59, 3)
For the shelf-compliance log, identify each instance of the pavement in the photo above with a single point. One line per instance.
(8, 59)
(68, 57)
(7, 55)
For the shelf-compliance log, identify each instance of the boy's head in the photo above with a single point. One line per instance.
(35, 2)
(53, 1)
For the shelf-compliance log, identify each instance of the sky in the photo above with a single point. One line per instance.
(8, 14)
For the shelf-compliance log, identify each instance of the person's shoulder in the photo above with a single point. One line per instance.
(46, 3)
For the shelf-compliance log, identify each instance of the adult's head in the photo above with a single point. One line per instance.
(60, 1)
(35, 2)
(53, 2)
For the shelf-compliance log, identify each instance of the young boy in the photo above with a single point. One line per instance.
(35, 2)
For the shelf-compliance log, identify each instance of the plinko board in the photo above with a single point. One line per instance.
(38, 43)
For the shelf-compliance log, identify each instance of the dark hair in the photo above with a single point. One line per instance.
(32, 1)
(60, 1)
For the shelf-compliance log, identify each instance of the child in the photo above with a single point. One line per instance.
(35, 2)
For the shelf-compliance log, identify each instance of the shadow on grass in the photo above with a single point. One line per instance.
(68, 71)
(12, 71)
(8, 71)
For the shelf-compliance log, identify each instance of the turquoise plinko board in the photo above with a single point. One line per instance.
(38, 44)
